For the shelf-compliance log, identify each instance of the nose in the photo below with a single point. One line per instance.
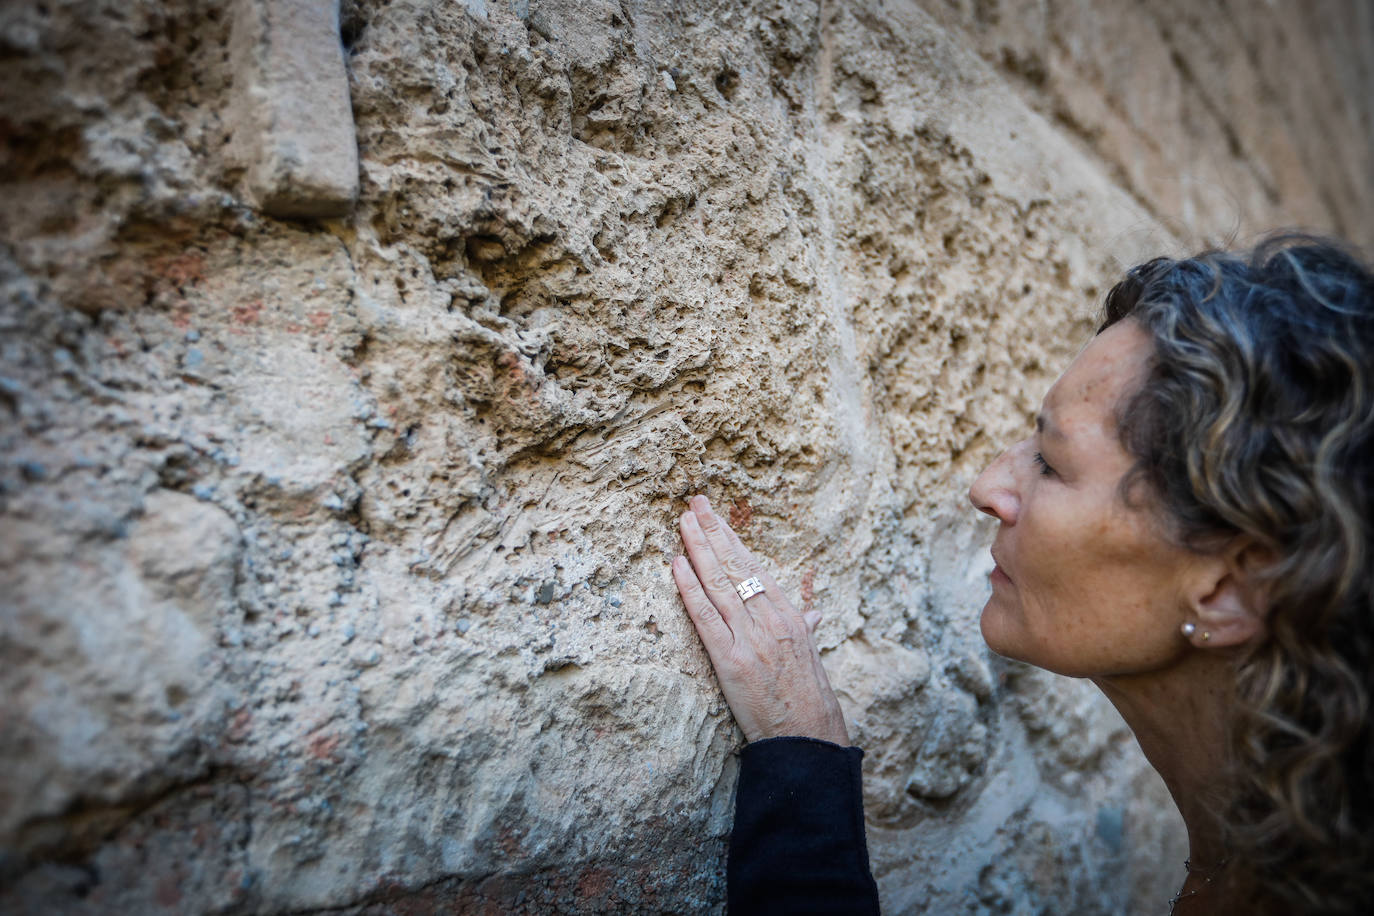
(995, 491)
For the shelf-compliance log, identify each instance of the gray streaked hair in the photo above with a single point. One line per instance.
(1256, 420)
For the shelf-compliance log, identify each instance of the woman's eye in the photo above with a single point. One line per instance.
(1045, 469)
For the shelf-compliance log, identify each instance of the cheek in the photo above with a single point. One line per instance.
(1101, 604)
(1046, 564)
(1063, 577)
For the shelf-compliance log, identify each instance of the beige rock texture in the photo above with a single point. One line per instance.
(335, 524)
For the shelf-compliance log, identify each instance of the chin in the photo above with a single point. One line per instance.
(993, 624)
(1005, 633)
(1011, 643)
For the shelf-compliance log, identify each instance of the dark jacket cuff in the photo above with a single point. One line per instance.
(798, 843)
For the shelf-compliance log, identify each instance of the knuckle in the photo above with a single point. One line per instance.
(736, 565)
(782, 627)
(720, 581)
(742, 657)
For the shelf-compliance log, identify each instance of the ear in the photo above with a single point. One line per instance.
(1224, 599)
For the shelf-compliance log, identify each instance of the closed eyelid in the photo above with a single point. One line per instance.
(1045, 467)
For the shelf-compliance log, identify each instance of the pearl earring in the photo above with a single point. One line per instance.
(1188, 629)
(1206, 635)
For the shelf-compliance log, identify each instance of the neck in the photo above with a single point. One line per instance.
(1179, 718)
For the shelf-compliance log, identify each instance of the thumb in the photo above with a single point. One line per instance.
(811, 618)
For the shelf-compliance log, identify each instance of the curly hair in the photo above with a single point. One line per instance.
(1256, 420)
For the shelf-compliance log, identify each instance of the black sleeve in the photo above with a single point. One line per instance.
(798, 843)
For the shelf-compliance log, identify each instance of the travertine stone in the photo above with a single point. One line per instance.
(291, 117)
(334, 555)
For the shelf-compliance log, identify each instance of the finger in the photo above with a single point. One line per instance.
(739, 564)
(739, 547)
(771, 588)
(711, 626)
(774, 613)
(715, 582)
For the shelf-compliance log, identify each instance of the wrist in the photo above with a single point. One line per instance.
(831, 730)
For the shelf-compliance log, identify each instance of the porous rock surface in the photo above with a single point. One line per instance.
(333, 555)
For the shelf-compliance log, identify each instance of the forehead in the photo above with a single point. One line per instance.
(1109, 367)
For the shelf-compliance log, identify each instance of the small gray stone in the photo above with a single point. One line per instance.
(1111, 827)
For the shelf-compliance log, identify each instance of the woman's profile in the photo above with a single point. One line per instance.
(1188, 525)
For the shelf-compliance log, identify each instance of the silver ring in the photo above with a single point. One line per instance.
(749, 588)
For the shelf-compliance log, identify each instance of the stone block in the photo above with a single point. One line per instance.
(290, 112)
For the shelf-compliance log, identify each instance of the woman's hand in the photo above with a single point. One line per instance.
(765, 658)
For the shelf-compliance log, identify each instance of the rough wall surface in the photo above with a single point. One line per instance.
(333, 567)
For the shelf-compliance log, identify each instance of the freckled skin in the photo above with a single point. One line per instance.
(1087, 586)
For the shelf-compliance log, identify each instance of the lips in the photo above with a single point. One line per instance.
(998, 573)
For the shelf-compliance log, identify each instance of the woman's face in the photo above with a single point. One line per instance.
(1083, 585)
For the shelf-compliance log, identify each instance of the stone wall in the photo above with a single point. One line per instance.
(350, 398)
